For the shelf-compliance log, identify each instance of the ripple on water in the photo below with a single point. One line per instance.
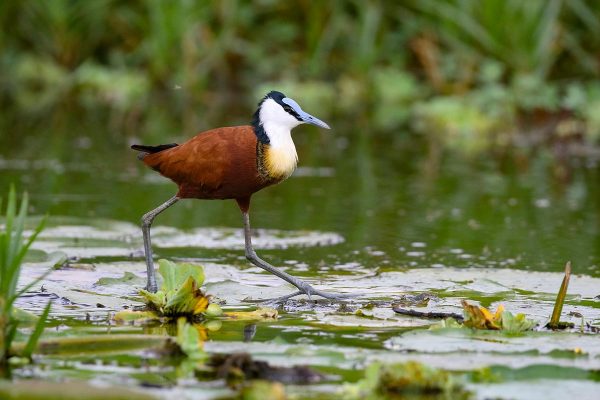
(232, 238)
(105, 238)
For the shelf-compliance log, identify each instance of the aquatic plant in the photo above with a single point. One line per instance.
(409, 378)
(555, 322)
(13, 248)
(180, 293)
(181, 53)
(481, 318)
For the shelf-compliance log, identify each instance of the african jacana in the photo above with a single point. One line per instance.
(233, 163)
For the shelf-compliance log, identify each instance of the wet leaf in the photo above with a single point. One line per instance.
(156, 300)
(175, 274)
(128, 278)
(180, 294)
(516, 323)
(480, 317)
(187, 300)
(138, 316)
(447, 323)
(213, 310)
(258, 314)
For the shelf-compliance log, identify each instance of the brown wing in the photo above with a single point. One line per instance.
(220, 163)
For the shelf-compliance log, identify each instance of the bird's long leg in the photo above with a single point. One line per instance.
(146, 224)
(303, 287)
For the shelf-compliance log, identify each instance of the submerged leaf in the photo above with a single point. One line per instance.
(258, 314)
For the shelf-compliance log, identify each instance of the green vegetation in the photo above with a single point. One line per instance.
(384, 381)
(179, 296)
(13, 248)
(453, 70)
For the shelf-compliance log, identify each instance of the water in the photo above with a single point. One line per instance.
(367, 212)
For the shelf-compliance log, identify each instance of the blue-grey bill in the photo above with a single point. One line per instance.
(304, 116)
(309, 119)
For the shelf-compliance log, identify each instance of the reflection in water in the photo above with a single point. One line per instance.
(376, 195)
(249, 332)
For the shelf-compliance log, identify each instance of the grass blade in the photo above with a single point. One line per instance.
(37, 332)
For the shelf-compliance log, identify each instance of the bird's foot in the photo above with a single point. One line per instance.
(309, 291)
(151, 287)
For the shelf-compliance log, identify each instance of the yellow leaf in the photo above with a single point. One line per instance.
(261, 313)
(201, 305)
(498, 313)
(480, 317)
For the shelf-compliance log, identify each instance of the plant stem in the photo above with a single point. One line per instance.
(560, 298)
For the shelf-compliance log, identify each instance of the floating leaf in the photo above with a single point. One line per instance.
(213, 310)
(258, 314)
(446, 323)
(516, 323)
(139, 316)
(127, 278)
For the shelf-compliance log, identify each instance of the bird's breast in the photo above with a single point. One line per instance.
(276, 163)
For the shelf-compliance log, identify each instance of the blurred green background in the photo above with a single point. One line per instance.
(462, 124)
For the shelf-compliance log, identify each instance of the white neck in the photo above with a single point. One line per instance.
(279, 136)
(281, 154)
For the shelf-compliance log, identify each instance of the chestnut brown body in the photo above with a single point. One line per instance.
(222, 163)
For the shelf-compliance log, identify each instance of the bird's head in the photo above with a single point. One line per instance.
(278, 110)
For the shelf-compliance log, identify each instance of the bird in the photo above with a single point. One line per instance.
(233, 163)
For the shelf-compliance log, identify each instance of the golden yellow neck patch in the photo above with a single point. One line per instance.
(280, 162)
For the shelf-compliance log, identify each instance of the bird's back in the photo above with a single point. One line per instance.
(217, 164)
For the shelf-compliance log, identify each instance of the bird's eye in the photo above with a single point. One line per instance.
(287, 108)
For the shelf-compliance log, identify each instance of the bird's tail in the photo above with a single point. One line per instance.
(151, 149)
